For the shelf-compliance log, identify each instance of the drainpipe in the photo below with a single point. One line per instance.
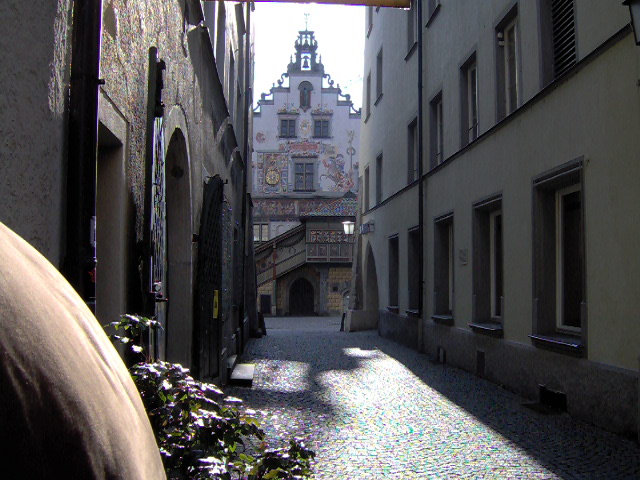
(420, 185)
(80, 255)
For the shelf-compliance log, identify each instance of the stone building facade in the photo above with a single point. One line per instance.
(529, 145)
(305, 169)
(306, 141)
(170, 156)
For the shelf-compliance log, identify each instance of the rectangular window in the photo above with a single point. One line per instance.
(379, 76)
(367, 190)
(368, 96)
(379, 180)
(304, 172)
(412, 151)
(437, 131)
(569, 268)
(469, 104)
(287, 128)
(508, 38)
(432, 6)
(321, 128)
(412, 25)
(487, 261)
(558, 37)
(495, 262)
(232, 85)
(260, 232)
(559, 259)
(443, 266)
(413, 270)
(393, 271)
(472, 101)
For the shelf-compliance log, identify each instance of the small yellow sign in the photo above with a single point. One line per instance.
(216, 302)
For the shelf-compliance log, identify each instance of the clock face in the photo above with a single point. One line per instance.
(272, 177)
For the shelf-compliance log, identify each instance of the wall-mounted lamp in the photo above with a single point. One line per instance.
(348, 227)
(634, 11)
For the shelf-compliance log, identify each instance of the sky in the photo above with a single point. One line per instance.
(338, 29)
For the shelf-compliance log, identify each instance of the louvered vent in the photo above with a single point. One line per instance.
(564, 36)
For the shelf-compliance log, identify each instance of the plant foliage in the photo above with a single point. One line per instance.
(201, 433)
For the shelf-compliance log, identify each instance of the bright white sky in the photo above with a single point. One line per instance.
(339, 31)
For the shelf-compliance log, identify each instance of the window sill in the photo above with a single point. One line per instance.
(411, 313)
(304, 191)
(393, 308)
(443, 319)
(433, 15)
(287, 137)
(322, 136)
(377, 100)
(568, 345)
(412, 49)
(491, 329)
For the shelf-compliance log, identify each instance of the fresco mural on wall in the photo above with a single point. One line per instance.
(286, 207)
(273, 173)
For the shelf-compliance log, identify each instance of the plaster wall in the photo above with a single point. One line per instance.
(385, 128)
(33, 89)
(512, 156)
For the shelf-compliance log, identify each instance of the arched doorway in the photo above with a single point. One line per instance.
(179, 323)
(301, 296)
(371, 301)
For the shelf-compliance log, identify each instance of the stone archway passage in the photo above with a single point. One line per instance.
(301, 297)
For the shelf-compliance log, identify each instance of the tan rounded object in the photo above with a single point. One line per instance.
(68, 406)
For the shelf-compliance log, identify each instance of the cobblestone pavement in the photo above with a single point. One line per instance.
(372, 409)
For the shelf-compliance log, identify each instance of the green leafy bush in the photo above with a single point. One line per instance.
(201, 433)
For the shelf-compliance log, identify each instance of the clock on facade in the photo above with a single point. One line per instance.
(272, 177)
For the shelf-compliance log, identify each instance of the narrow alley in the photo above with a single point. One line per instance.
(373, 409)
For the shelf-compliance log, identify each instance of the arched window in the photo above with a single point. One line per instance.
(305, 95)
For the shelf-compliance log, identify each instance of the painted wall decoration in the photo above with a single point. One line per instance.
(273, 173)
(286, 207)
(261, 137)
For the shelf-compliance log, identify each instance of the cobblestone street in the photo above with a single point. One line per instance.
(372, 409)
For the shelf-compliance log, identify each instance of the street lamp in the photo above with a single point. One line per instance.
(348, 227)
(634, 10)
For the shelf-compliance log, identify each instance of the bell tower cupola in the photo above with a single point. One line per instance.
(306, 59)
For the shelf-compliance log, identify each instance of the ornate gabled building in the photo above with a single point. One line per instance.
(306, 139)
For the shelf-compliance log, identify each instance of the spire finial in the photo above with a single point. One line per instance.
(306, 21)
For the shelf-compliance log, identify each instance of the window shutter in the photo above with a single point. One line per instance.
(564, 36)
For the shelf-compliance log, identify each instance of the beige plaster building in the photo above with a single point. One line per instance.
(530, 141)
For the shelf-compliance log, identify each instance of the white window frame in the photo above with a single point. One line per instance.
(513, 24)
(472, 101)
(439, 132)
(560, 259)
(450, 266)
(492, 262)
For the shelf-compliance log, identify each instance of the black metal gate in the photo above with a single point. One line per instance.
(207, 331)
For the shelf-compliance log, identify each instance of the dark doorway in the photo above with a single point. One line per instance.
(265, 304)
(301, 298)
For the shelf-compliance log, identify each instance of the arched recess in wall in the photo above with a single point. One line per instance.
(178, 331)
(309, 275)
(371, 300)
(301, 298)
(305, 95)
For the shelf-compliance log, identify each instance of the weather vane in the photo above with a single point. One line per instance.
(306, 21)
